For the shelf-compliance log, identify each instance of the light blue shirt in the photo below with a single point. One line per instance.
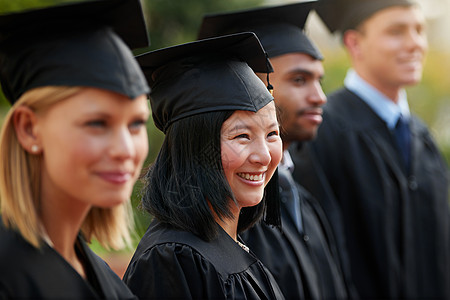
(385, 108)
(286, 162)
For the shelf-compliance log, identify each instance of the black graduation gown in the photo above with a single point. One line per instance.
(174, 264)
(305, 264)
(393, 225)
(30, 273)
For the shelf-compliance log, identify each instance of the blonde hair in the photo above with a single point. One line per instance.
(20, 183)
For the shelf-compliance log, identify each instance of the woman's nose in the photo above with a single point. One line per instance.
(260, 153)
(122, 145)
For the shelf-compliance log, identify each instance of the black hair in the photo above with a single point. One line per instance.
(188, 174)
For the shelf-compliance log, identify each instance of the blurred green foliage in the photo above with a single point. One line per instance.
(7, 6)
(172, 22)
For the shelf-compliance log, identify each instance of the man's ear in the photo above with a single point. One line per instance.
(263, 77)
(26, 126)
(351, 41)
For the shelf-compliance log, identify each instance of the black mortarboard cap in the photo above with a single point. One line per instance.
(279, 28)
(341, 15)
(207, 75)
(78, 44)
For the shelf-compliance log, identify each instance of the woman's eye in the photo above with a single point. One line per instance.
(138, 124)
(96, 123)
(273, 133)
(242, 136)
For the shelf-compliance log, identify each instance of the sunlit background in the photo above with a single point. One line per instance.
(173, 22)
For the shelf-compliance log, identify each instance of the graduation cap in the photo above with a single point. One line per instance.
(341, 15)
(206, 75)
(78, 44)
(279, 28)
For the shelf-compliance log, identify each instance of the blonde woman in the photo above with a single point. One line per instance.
(71, 146)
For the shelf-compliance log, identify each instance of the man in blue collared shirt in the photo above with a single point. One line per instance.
(388, 183)
(384, 107)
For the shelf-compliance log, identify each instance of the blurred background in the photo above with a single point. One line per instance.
(172, 22)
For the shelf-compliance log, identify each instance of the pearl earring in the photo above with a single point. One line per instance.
(34, 148)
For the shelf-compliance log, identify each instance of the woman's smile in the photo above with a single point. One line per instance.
(253, 177)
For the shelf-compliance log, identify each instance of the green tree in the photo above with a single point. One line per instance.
(7, 6)
(172, 22)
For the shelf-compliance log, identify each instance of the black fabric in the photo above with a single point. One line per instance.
(208, 75)
(173, 264)
(305, 264)
(125, 17)
(341, 15)
(280, 28)
(73, 45)
(30, 273)
(88, 270)
(291, 197)
(393, 226)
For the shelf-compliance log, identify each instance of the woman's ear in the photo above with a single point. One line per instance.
(26, 127)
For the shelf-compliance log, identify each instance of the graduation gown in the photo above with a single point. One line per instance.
(174, 264)
(30, 273)
(305, 264)
(392, 223)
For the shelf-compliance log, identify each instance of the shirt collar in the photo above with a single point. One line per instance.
(385, 108)
(286, 162)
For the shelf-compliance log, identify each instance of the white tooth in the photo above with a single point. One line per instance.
(260, 177)
(251, 177)
(247, 176)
